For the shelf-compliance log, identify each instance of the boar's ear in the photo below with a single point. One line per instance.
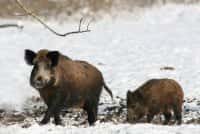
(54, 57)
(29, 56)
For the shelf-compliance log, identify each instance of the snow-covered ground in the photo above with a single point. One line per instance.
(104, 129)
(129, 50)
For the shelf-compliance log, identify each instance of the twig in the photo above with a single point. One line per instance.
(30, 13)
(11, 25)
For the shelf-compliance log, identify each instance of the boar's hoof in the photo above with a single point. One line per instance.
(58, 122)
(43, 122)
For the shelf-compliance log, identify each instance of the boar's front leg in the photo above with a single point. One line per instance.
(54, 106)
(57, 119)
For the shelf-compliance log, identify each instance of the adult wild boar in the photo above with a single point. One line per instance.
(154, 97)
(63, 82)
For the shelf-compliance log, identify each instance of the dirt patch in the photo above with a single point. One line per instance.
(114, 112)
(167, 68)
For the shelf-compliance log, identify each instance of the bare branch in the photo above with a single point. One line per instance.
(20, 14)
(30, 13)
(11, 25)
(79, 28)
(89, 24)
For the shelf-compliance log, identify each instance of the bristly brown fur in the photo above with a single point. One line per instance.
(154, 97)
(76, 84)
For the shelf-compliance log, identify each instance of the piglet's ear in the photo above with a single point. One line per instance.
(139, 95)
(54, 57)
(129, 95)
(29, 56)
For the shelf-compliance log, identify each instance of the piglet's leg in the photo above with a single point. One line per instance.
(54, 107)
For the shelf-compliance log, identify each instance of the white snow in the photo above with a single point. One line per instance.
(128, 50)
(105, 129)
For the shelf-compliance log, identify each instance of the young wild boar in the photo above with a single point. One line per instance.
(154, 97)
(63, 82)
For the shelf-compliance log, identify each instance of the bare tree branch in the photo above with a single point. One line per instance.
(89, 24)
(11, 25)
(30, 13)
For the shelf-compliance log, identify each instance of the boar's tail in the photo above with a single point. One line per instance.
(108, 90)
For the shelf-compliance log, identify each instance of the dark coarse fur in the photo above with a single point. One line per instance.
(74, 84)
(154, 97)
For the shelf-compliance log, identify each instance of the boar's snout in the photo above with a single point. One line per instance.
(40, 82)
(131, 116)
(131, 119)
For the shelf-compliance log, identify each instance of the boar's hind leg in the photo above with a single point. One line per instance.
(178, 113)
(150, 117)
(91, 109)
(54, 107)
(168, 116)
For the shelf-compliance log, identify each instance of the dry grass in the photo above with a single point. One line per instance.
(47, 8)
